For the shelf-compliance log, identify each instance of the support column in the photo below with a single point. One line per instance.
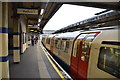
(27, 34)
(23, 20)
(16, 41)
(4, 62)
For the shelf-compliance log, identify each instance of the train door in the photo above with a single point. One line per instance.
(80, 55)
(75, 57)
(84, 52)
(83, 58)
(52, 45)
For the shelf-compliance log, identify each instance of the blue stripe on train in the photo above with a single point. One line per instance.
(4, 59)
(3, 30)
(62, 63)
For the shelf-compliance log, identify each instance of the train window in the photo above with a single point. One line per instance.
(59, 44)
(75, 50)
(64, 39)
(66, 46)
(62, 45)
(109, 60)
(85, 51)
(56, 43)
(48, 41)
(86, 46)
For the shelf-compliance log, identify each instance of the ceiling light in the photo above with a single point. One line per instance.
(31, 30)
(39, 20)
(30, 25)
(35, 31)
(42, 10)
(38, 24)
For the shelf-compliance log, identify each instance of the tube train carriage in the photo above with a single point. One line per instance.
(92, 53)
(87, 54)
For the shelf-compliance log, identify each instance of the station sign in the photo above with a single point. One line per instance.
(27, 11)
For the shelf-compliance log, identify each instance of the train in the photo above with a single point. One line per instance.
(85, 54)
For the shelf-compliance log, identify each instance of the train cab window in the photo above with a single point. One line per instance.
(109, 60)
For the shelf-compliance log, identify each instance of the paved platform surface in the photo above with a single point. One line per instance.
(34, 64)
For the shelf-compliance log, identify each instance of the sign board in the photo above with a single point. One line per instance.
(27, 11)
(32, 26)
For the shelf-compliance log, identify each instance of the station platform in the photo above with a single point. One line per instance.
(34, 65)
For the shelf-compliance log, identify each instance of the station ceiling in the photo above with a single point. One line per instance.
(50, 8)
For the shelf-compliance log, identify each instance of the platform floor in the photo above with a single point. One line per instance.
(33, 64)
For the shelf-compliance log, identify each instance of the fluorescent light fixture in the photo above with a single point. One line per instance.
(39, 20)
(42, 10)
(38, 24)
(30, 25)
(31, 30)
(35, 31)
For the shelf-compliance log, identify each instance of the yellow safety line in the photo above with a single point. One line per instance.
(57, 70)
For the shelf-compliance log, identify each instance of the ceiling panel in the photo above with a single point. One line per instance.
(52, 7)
